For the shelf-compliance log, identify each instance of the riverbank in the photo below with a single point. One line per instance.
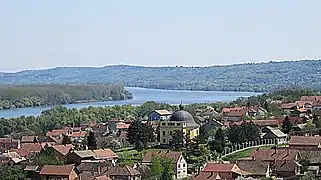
(141, 95)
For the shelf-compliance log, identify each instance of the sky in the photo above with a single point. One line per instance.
(37, 34)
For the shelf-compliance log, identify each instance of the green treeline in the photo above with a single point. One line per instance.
(19, 96)
(261, 77)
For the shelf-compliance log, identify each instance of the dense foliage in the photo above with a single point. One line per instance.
(18, 96)
(240, 77)
(140, 134)
(243, 133)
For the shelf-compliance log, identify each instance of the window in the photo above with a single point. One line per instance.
(184, 171)
(179, 165)
(178, 124)
(164, 133)
(183, 165)
(164, 141)
(163, 124)
(170, 132)
(179, 172)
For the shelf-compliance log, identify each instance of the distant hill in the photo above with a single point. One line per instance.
(239, 77)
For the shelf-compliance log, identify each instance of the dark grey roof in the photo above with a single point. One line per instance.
(184, 116)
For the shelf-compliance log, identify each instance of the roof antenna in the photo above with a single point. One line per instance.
(181, 106)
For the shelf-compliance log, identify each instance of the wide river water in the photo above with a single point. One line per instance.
(142, 95)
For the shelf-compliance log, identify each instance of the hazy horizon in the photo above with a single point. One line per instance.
(46, 34)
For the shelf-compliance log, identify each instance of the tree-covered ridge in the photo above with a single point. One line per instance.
(240, 77)
(18, 96)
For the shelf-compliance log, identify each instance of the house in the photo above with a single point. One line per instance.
(225, 171)
(287, 169)
(267, 122)
(58, 172)
(28, 150)
(212, 124)
(103, 177)
(106, 154)
(305, 143)
(179, 121)
(206, 176)
(123, 173)
(235, 115)
(288, 107)
(75, 133)
(9, 143)
(256, 168)
(11, 158)
(61, 151)
(274, 133)
(90, 169)
(158, 115)
(179, 162)
(77, 157)
(270, 155)
(310, 98)
(29, 139)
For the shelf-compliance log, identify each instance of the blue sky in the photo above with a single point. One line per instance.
(41, 33)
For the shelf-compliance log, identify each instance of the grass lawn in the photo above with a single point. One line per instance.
(132, 154)
(243, 154)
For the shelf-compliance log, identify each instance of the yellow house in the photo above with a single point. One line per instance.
(180, 120)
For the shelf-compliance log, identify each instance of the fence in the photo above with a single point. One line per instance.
(247, 145)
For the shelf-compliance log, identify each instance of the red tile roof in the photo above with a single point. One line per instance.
(63, 149)
(28, 148)
(267, 122)
(175, 156)
(122, 125)
(122, 171)
(305, 140)
(220, 168)
(207, 176)
(287, 105)
(102, 178)
(57, 170)
(310, 98)
(104, 154)
(272, 154)
(78, 134)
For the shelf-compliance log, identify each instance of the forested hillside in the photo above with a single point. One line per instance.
(241, 77)
(17, 96)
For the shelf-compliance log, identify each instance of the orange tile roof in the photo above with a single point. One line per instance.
(104, 154)
(57, 170)
(63, 149)
(122, 125)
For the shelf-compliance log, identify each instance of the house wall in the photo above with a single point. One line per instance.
(73, 158)
(73, 175)
(168, 128)
(181, 168)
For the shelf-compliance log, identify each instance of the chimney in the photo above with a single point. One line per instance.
(211, 175)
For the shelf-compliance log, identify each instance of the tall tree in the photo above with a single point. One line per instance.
(177, 141)
(168, 172)
(91, 141)
(140, 134)
(219, 135)
(156, 168)
(287, 125)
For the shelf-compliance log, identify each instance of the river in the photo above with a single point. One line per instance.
(142, 95)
